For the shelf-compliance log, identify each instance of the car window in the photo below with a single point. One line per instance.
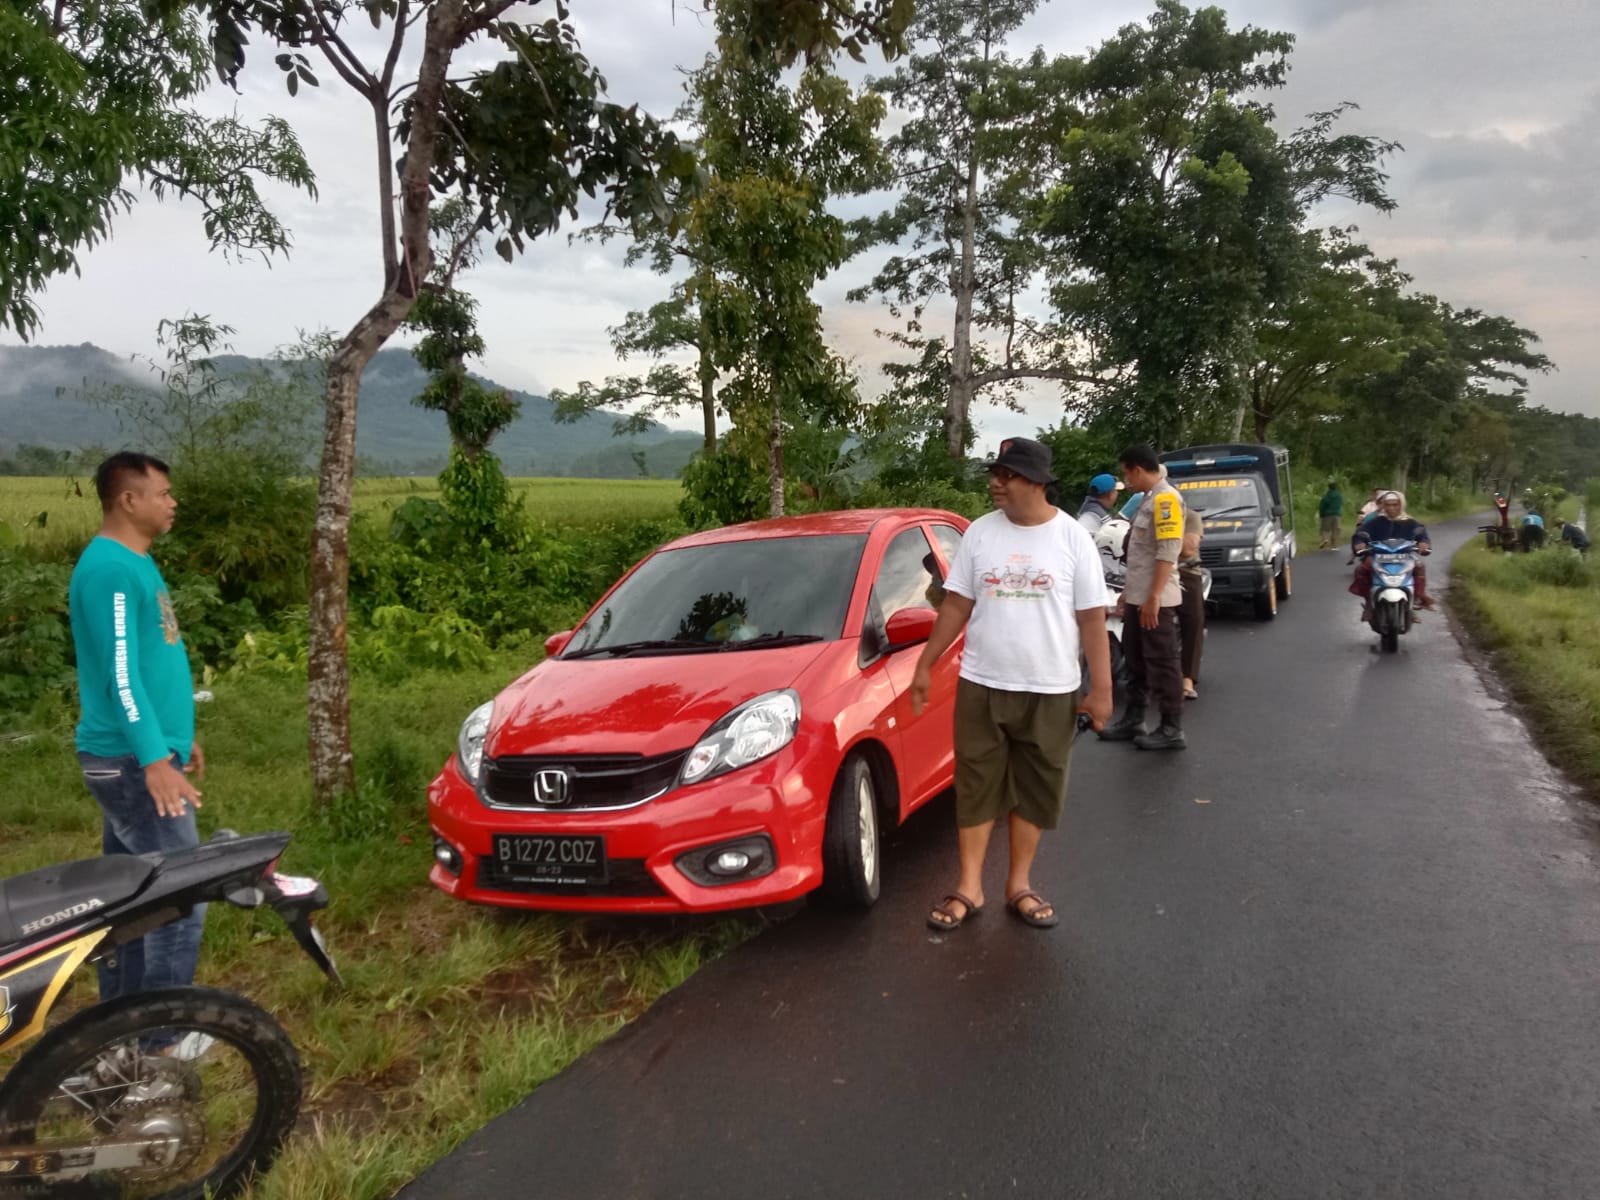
(1239, 493)
(909, 576)
(949, 539)
(731, 592)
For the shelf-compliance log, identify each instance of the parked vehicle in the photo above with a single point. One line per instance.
(729, 726)
(1241, 492)
(1392, 600)
(181, 1092)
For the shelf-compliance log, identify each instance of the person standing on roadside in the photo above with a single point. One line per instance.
(1017, 696)
(1151, 596)
(1331, 509)
(1099, 504)
(136, 740)
(1192, 612)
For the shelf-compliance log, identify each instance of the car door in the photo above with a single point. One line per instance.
(910, 575)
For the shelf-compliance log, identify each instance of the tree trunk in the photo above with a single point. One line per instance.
(708, 376)
(775, 459)
(405, 265)
(959, 404)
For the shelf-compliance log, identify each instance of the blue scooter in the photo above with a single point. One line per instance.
(1391, 604)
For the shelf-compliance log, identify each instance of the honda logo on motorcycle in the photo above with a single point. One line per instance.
(550, 787)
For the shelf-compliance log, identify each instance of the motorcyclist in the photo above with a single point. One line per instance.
(1390, 523)
(1099, 503)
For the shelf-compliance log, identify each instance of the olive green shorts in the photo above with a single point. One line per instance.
(1012, 754)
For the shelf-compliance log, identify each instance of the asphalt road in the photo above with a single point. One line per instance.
(1348, 944)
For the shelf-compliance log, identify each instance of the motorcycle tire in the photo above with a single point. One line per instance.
(1389, 640)
(250, 1031)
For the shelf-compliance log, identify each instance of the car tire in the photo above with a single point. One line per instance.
(1285, 581)
(851, 846)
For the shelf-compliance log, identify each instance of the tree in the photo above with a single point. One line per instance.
(518, 140)
(96, 93)
(1338, 326)
(755, 237)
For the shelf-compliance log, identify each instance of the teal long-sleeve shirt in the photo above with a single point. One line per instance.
(133, 672)
(1332, 504)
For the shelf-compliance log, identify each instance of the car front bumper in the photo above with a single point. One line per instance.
(642, 844)
(1239, 581)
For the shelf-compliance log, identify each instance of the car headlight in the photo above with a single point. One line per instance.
(747, 734)
(1242, 554)
(469, 742)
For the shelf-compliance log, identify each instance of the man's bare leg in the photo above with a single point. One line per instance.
(1024, 846)
(972, 843)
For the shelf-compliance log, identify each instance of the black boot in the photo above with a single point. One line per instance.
(1167, 736)
(1129, 727)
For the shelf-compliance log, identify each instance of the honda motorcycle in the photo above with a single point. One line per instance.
(1391, 601)
(180, 1093)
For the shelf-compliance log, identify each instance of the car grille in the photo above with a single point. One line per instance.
(1213, 556)
(626, 877)
(593, 780)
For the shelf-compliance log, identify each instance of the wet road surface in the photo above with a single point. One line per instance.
(1346, 945)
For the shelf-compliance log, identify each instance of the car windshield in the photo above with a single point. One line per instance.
(727, 593)
(1211, 497)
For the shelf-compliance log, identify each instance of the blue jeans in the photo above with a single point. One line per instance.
(164, 957)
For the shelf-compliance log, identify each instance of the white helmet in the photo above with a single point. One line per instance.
(1111, 537)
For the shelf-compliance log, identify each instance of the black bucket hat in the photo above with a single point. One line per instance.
(1025, 457)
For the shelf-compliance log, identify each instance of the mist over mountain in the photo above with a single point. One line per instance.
(45, 390)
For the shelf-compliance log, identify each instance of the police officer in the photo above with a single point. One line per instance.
(1151, 597)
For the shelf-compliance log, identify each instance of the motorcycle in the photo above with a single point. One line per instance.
(1391, 600)
(176, 1093)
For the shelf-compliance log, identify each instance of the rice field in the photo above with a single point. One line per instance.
(63, 510)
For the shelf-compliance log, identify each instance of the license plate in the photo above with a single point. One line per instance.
(550, 859)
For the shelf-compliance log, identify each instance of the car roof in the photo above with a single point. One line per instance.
(848, 520)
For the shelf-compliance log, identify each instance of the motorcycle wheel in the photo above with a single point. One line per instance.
(1389, 640)
(94, 1080)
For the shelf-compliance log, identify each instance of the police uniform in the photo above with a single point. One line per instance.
(1155, 674)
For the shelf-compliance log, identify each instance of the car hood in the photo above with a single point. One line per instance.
(649, 704)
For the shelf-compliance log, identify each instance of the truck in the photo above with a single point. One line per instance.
(1243, 495)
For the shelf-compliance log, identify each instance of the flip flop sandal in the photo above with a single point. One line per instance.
(955, 922)
(1031, 916)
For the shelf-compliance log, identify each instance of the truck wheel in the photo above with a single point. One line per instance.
(1286, 581)
(1267, 602)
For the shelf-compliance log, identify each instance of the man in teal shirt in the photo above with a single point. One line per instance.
(136, 736)
(1331, 509)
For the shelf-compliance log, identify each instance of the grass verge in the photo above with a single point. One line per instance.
(1539, 616)
(451, 1013)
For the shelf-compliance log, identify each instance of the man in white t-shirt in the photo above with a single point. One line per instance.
(1027, 587)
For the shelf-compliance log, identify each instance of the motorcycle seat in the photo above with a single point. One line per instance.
(53, 898)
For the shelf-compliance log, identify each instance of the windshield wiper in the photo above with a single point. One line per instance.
(766, 641)
(630, 647)
(1222, 512)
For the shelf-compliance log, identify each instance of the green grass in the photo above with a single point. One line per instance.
(62, 512)
(451, 1013)
(1540, 615)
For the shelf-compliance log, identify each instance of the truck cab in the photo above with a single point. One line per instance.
(1242, 494)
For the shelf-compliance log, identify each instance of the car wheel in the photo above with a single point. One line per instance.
(1286, 581)
(850, 844)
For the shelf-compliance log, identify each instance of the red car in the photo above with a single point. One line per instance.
(727, 727)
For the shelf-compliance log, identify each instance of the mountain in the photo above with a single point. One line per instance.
(42, 403)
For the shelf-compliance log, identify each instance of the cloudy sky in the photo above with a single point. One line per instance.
(1497, 104)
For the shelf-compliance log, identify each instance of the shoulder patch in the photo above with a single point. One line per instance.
(1168, 516)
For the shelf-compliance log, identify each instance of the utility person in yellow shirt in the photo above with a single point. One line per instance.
(1151, 598)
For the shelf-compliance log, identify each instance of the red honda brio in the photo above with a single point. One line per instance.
(727, 727)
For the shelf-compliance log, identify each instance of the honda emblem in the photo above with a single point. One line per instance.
(550, 787)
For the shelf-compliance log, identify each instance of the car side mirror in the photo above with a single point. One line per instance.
(556, 643)
(910, 626)
(1277, 510)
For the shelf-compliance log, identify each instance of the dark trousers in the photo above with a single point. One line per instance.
(1192, 621)
(1154, 672)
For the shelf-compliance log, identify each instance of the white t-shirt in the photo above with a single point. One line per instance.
(1027, 584)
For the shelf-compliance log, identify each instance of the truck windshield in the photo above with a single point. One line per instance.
(1210, 497)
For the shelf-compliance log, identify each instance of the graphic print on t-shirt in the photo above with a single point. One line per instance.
(1017, 579)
